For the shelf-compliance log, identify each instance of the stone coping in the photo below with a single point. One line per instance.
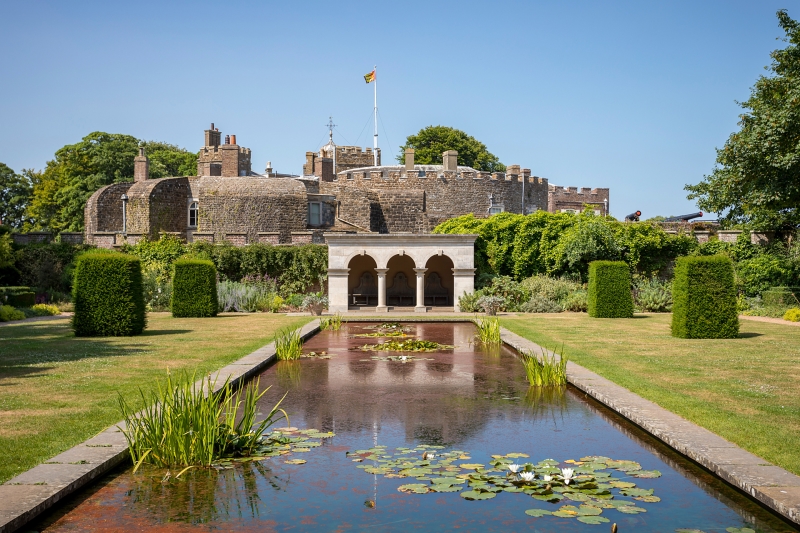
(29, 494)
(769, 484)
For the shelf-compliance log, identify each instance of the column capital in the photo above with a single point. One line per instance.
(381, 271)
(420, 270)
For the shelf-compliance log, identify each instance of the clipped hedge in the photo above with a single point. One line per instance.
(194, 288)
(17, 296)
(704, 297)
(610, 290)
(108, 295)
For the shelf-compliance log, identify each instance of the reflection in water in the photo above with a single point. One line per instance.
(470, 398)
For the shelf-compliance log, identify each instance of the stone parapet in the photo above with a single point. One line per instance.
(302, 237)
(32, 237)
(269, 237)
(236, 239)
(71, 237)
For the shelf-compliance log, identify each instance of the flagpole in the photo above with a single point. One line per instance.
(375, 112)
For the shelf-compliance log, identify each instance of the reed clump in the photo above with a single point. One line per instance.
(488, 330)
(545, 370)
(184, 423)
(288, 344)
(333, 323)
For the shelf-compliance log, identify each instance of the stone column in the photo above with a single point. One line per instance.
(382, 290)
(420, 308)
(337, 289)
(463, 283)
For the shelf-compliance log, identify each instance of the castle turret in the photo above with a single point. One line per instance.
(141, 166)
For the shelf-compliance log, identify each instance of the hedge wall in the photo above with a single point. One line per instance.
(704, 299)
(610, 290)
(108, 295)
(194, 288)
(17, 296)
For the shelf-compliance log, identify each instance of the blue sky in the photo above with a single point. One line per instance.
(634, 96)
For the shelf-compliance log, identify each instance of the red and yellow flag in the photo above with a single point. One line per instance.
(369, 78)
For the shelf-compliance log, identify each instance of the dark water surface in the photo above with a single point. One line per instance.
(464, 398)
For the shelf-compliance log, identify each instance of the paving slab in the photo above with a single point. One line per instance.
(773, 486)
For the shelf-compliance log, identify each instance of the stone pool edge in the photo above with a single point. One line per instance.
(26, 496)
(771, 485)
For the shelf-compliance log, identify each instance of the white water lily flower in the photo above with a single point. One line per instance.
(548, 478)
(567, 473)
(527, 476)
(403, 358)
(514, 468)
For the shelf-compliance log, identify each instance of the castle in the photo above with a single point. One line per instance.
(342, 190)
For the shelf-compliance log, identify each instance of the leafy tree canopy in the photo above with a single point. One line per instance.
(431, 142)
(757, 177)
(60, 191)
(15, 194)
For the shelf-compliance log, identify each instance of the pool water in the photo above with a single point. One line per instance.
(464, 404)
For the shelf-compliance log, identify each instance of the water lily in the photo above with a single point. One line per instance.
(403, 358)
(514, 468)
(567, 473)
(548, 478)
(527, 476)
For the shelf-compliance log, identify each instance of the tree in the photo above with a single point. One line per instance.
(60, 192)
(757, 177)
(431, 142)
(15, 194)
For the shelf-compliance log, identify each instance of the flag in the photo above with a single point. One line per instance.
(369, 78)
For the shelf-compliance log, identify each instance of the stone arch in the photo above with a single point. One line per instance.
(362, 281)
(401, 281)
(439, 281)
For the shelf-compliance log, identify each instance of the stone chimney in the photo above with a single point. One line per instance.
(409, 159)
(141, 166)
(212, 136)
(450, 160)
(308, 168)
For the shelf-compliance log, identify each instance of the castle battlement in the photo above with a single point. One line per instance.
(431, 172)
(574, 190)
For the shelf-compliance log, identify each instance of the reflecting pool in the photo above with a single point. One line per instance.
(416, 424)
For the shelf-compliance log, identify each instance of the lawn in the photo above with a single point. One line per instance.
(57, 390)
(744, 389)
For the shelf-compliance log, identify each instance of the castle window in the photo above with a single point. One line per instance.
(314, 213)
(495, 209)
(193, 215)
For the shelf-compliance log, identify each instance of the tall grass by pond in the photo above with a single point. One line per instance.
(184, 424)
(488, 330)
(288, 344)
(544, 370)
(334, 323)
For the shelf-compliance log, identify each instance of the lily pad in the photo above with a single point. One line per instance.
(739, 530)
(474, 495)
(644, 473)
(295, 461)
(589, 510)
(633, 510)
(648, 499)
(593, 519)
(689, 531)
(536, 513)
(414, 488)
(439, 487)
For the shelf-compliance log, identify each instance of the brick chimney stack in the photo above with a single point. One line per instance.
(450, 160)
(141, 166)
(409, 159)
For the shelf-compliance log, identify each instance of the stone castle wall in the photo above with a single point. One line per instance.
(574, 199)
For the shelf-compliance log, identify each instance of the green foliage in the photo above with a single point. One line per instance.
(544, 370)
(45, 310)
(288, 344)
(576, 302)
(49, 266)
(468, 302)
(429, 144)
(108, 295)
(333, 323)
(757, 174)
(194, 288)
(792, 315)
(9, 313)
(562, 244)
(539, 304)
(652, 295)
(8, 256)
(610, 290)
(157, 290)
(21, 299)
(704, 299)
(514, 294)
(15, 194)
(488, 330)
(184, 423)
(60, 192)
(293, 268)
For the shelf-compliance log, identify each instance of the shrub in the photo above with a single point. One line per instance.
(45, 310)
(555, 289)
(17, 296)
(781, 296)
(577, 302)
(490, 304)
(244, 298)
(276, 304)
(513, 293)
(315, 303)
(295, 300)
(539, 304)
(8, 313)
(468, 302)
(157, 290)
(652, 295)
(704, 299)
(792, 315)
(108, 295)
(194, 288)
(610, 290)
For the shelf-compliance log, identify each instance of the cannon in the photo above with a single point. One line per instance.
(684, 218)
(633, 217)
